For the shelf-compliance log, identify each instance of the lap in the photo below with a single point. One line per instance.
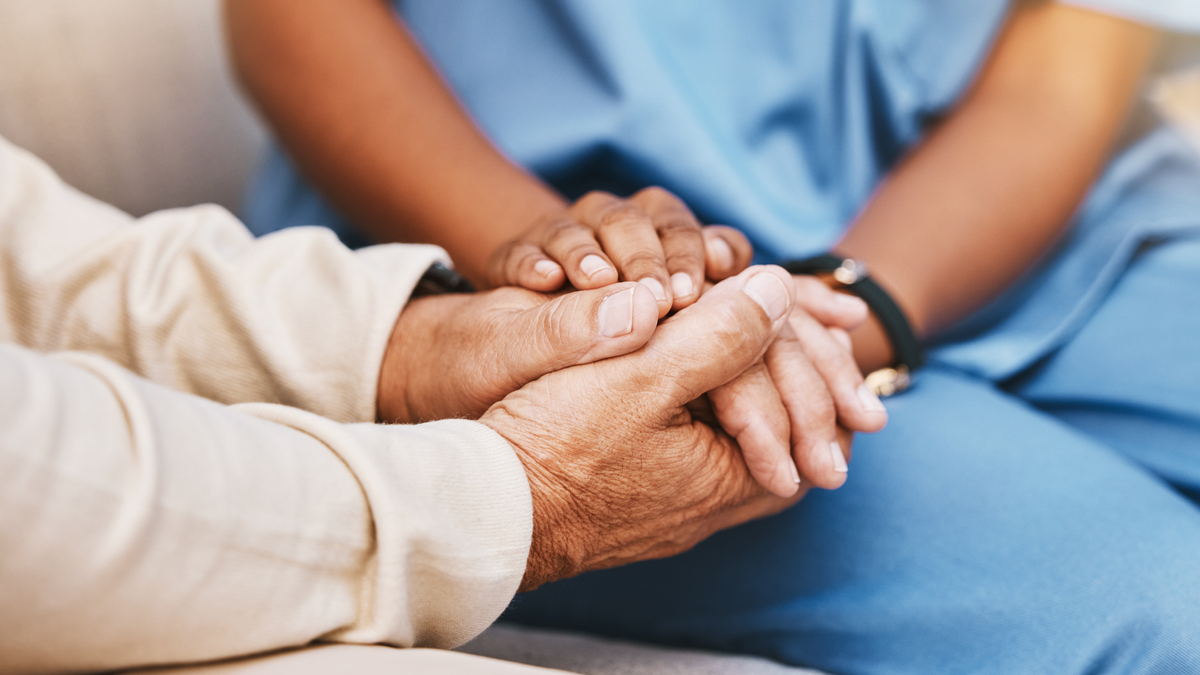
(975, 534)
(1130, 377)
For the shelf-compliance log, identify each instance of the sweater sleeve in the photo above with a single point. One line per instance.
(142, 525)
(189, 299)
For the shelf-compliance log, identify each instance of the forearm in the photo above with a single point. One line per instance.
(370, 122)
(144, 526)
(990, 190)
(189, 299)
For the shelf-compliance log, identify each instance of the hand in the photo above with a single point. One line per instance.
(797, 406)
(619, 469)
(456, 355)
(650, 237)
(822, 319)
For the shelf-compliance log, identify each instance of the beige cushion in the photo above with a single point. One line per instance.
(358, 660)
(594, 655)
(129, 100)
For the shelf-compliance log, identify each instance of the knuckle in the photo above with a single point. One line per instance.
(656, 195)
(678, 223)
(735, 329)
(735, 237)
(823, 407)
(551, 338)
(681, 259)
(561, 228)
(841, 363)
(521, 257)
(641, 259)
(624, 216)
(593, 200)
(598, 194)
(552, 326)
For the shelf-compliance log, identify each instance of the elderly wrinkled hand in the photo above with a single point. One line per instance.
(798, 405)
(619, 468)
(455, 355)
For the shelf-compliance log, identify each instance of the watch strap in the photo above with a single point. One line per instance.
(440, 279)
(852, 277)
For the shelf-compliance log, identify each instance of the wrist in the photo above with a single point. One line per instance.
(518, 210)
(555, 550)
(413, 360)
(392, 398)
(891, 352)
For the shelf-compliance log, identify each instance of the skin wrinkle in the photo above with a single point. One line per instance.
(730, 344)
(501, 340)
(654, 483)
(622, 215)
(472, 200)
(685, 526)
(557, 325)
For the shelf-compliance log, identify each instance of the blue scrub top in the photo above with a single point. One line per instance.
(775, 116)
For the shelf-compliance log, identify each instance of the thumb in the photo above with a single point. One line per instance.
(580, 327)
(716, 339)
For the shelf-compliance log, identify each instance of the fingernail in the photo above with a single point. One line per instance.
(769, 292)
(721, 254)
(655, 288)
(795, 472)
(839, 460)
(616, 314)
(593, 265)
(546, 267)
(681, 285)
(870, 402)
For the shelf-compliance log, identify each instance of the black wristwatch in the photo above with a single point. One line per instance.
(439, 279)
(850, 275)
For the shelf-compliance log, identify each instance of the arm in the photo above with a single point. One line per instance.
(367, 117)
(370, 122)
(143, 526)
(188, 299)
(990, 190)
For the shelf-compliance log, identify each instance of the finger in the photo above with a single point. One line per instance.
(827, 305)
(750, 410)
(716, 339)
(810, 410)
(577, 328)
(846, 440)
(520, 263)
(682, 243)
(858, 408)
(574, 246)
(842, 338)
(630, 240)
(726, 251)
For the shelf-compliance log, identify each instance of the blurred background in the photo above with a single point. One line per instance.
(133, 101)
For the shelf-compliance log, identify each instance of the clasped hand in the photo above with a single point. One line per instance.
(641, 439)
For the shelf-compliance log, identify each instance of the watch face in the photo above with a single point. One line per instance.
(850, 271)
(888, 381)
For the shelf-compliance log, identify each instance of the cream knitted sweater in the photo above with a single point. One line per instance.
(188, 468)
